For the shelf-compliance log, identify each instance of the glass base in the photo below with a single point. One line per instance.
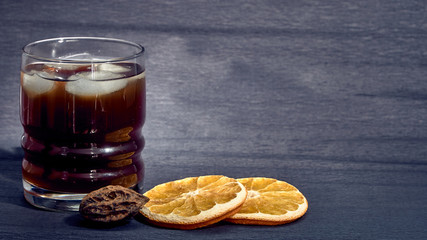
(54, 201)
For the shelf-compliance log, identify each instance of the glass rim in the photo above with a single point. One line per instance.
(139, 53)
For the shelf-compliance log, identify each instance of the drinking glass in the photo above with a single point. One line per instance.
(82, 108)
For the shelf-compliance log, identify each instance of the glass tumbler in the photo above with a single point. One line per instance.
(82, 108)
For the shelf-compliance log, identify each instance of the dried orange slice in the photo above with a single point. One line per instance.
(193, 202)
(270, 202)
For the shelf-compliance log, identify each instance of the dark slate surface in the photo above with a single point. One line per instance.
(330, 96)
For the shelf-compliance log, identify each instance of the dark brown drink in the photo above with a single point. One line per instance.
(82, 125)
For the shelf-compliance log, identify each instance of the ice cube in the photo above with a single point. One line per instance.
(95, 83)
(110, 67)
(35, 84)
(64, 66)
(61, 71)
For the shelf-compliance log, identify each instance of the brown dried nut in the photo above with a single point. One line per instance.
(111, 204)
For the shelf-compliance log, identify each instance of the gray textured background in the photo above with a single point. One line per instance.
(329, 96)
